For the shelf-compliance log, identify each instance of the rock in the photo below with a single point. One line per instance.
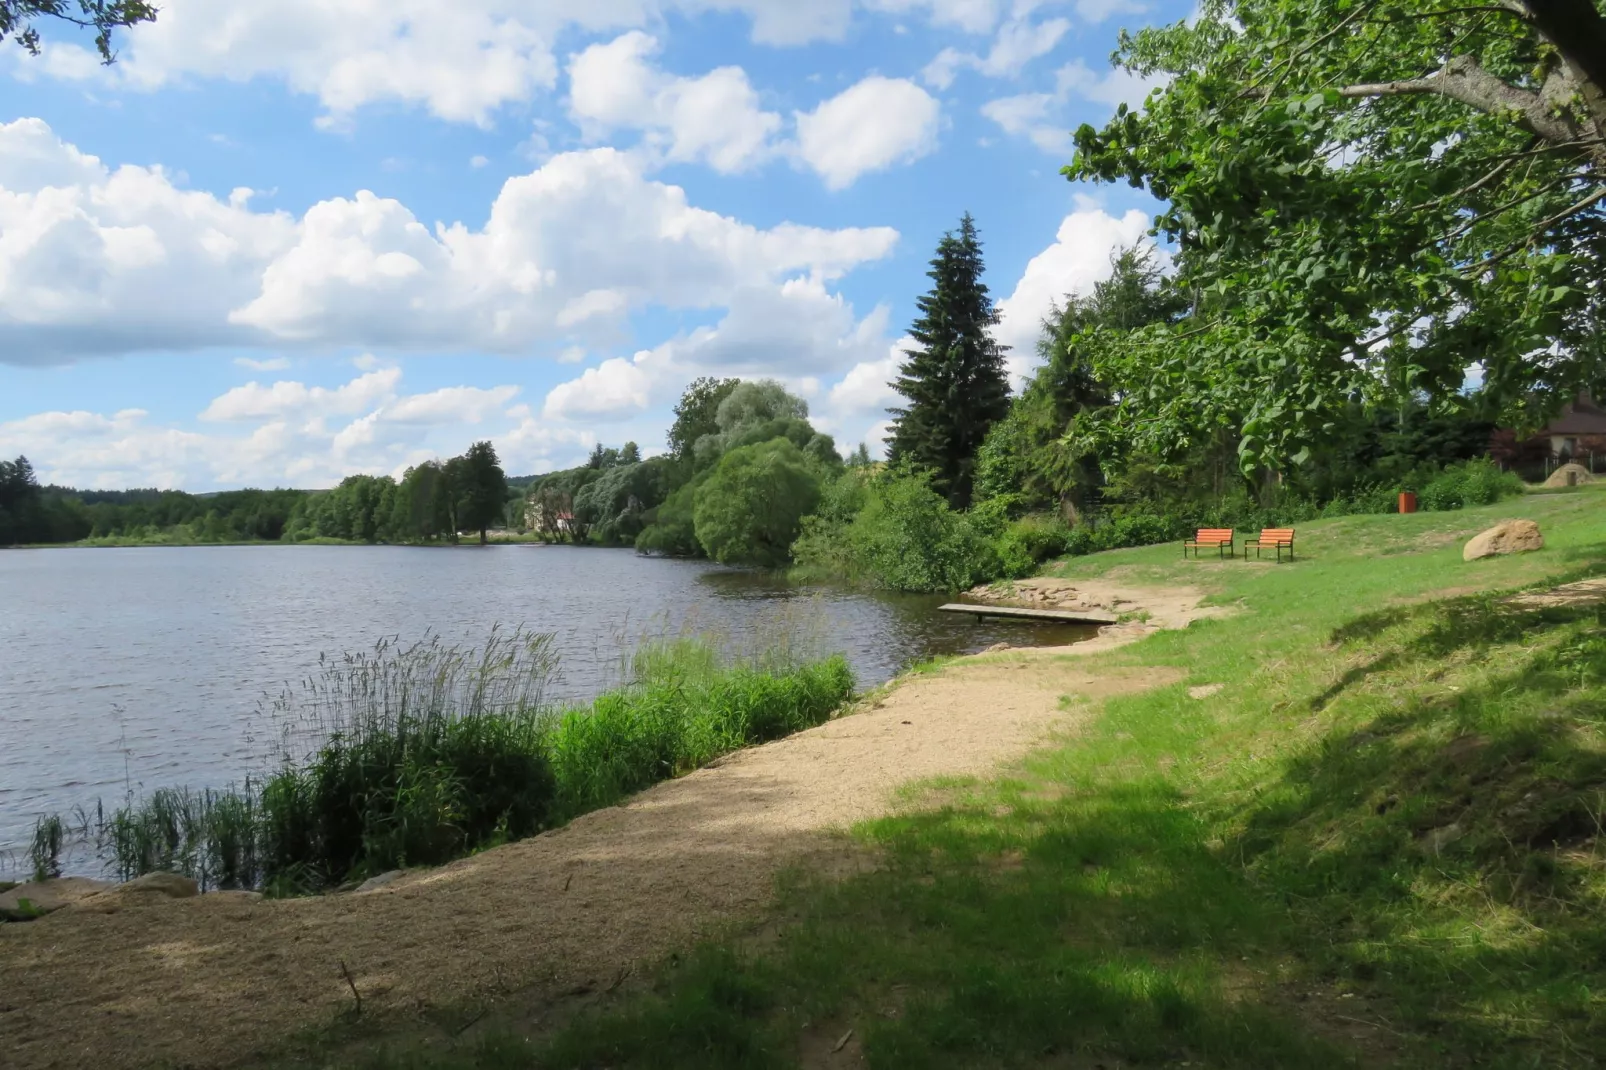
(1436, 840)
(1508, 537)
(45, 897)
(373, 883)
(171, 885)
(152, 886)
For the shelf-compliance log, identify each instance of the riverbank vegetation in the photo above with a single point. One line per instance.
(1363, 829)
(413, 756)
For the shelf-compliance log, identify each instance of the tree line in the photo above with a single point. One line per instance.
(432, 502)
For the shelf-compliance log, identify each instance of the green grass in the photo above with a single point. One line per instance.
(1379, 844)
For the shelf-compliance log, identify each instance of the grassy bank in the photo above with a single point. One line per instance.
(1364, 831)
(419, 755)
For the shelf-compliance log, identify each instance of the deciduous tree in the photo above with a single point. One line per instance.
(1369, 199)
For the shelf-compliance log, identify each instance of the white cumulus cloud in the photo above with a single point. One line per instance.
(283, 433)
(1079, 257)
(1019, 41)
(868, 127)
(94, 260)
(460, 61)
(1045, 118)
(714, 118)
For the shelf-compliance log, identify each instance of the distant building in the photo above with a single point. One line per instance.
(1579, 430)
(1577, 434)
(536, 519)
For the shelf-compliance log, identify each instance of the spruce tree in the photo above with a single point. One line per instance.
(955, 380)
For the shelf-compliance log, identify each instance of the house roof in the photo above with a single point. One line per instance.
(1581, 417)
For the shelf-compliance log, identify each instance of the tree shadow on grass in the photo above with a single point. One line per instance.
(1450, 850)
(1470, 623)
(1022, 932)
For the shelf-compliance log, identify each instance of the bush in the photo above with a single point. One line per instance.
(906, 538)
(1474, 482)
(752, 507)
(1028, 542)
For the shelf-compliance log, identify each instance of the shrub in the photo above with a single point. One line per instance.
(1475, 482)
(1028, 542)
(672, 530)
(908, 539)
(751, 509)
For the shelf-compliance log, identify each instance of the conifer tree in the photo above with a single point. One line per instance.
(955, 380)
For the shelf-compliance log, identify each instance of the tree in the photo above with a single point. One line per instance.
(860, 457)
(19, 495)
(1368, 198)
(17, 19)
(754, 412)
(630, 454)
(480, 490)
(614, 506)
(955, 381)
(1036, 451)
(752, 506)
(696, 414)
(422, 504)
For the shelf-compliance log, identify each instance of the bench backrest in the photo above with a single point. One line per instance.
(1282, 535)
(1213, 535)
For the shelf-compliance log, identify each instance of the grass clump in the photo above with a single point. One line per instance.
(678, 712)
(410, 756)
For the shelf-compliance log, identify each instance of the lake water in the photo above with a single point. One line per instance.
(130, 669)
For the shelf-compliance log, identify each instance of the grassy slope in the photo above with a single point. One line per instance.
(1375, 845)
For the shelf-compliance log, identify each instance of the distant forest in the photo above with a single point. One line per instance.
(433, 501)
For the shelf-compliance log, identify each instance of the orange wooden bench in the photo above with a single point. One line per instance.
(1220, 538)
(1281, 538)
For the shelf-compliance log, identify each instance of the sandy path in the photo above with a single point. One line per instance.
(206, 982)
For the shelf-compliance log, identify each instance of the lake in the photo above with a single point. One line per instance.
(130, 669)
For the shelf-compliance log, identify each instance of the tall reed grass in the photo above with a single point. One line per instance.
(415, 755)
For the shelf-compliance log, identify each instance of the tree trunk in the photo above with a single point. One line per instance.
(482, 536)
(1577, 29)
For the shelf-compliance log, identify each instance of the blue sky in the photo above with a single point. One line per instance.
(281, 243)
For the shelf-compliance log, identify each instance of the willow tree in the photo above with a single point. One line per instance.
(1367, 199)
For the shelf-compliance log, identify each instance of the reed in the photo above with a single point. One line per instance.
(410, 755)
(44, 850)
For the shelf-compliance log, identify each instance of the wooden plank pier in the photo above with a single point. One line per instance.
(1046, 616)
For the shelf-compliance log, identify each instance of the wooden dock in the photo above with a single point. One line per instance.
(1046, 616)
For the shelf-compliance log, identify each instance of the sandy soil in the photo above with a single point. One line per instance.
(1147, 608)
(210, 981)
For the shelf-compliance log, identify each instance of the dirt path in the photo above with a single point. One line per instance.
(210, 981)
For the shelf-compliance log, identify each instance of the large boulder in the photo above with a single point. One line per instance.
(44, 897)
(1509, 537)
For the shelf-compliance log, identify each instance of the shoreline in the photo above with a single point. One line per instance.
(712, 841)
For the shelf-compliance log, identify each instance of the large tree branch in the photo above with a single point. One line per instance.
(1577, 30)
(1465, 79)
